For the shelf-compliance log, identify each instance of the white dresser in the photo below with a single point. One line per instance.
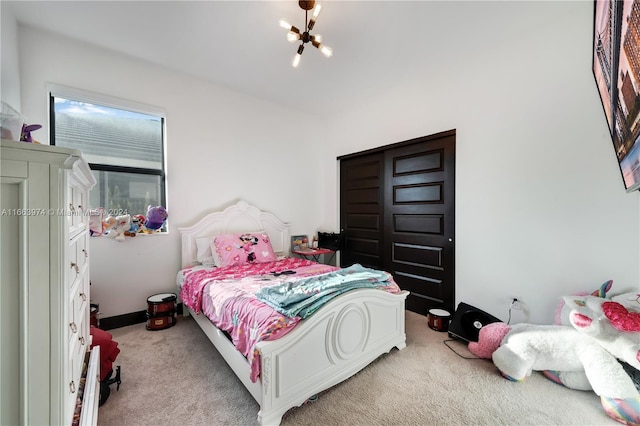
(44, 287)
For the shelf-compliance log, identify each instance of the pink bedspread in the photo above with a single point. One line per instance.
(227, 297)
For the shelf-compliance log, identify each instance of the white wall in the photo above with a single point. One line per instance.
(222, 146)
(10, 76)
(540, 206)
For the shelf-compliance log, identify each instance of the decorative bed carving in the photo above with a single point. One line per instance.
(334, 343)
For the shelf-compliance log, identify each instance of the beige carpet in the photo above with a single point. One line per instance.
(176, 377)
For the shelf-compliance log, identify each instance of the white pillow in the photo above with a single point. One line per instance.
(203, 251)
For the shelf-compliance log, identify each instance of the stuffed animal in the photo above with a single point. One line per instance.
(520, 349)
(25, 135)
(107, 223)
(137, 223)
(96, 222)
(562, 310)
(137, 220)
(122, 224)
(614, 324)
(156, 217)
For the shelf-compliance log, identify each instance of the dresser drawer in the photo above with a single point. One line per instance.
(77, 208)
(72, 385)
(78, 258)
(82, 250)
(72, 265)
(79, 342)
(79, 304)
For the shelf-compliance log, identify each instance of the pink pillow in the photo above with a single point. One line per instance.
(242, 248)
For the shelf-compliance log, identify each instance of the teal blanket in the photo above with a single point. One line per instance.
(302, 297)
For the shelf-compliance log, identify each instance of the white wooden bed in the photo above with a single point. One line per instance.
(328, 347)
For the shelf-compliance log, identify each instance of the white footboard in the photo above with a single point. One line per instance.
(332, 345)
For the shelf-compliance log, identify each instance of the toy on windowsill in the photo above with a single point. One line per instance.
(107, 223)
(137, 223)
(156, 218)
(97, 224)
(122, 225)
(137, 220)
(25, 136)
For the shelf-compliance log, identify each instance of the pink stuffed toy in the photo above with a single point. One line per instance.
(489, 339)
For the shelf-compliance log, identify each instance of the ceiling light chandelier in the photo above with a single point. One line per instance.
(294, 33)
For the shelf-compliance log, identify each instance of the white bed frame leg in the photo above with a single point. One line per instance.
(271, 420)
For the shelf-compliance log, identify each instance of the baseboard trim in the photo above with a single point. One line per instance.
(127, 319)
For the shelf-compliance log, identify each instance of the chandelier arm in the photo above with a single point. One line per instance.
(305, 36)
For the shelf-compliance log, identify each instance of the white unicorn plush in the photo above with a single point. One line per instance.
(615, 325)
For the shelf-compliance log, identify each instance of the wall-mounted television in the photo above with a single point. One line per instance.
(616, 68)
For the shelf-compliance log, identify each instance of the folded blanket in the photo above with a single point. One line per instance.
(302, 297)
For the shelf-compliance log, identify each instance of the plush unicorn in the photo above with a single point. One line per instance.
(615, 325)
(581, 355)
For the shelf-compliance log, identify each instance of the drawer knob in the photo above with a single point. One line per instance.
(74, 327)
(81, 338)
(71, 208)
(83, 296)
(85, 253)
(75, 266)
(72, 387)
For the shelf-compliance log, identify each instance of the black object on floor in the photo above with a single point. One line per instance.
(105, 385)
(467, 322)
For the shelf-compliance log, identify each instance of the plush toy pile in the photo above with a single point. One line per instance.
(585, 353)
(119, 227)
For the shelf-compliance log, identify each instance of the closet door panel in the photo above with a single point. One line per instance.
(397, 213)
(419, 222)
(361, 207)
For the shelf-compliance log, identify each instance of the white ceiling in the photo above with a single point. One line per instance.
(239, 44)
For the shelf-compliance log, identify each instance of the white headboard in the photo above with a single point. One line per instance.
(239, 217)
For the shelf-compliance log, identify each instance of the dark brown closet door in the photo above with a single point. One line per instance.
(361, 210)
(397, 213)
(419, 200)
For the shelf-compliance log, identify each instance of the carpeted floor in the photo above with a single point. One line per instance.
(176, 377)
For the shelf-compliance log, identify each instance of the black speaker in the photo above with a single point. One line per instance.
(467, 322)
(330, 240)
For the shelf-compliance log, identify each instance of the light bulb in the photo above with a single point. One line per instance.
(326, 51)
(293, 37)
(296, 60)
(317, 38)
(316, 11)
(284, 24)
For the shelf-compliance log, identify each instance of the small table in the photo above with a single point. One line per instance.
(315, 254)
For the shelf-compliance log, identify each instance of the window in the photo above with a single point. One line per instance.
(123, 144)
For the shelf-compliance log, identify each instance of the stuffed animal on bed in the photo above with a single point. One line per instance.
(520, 349)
